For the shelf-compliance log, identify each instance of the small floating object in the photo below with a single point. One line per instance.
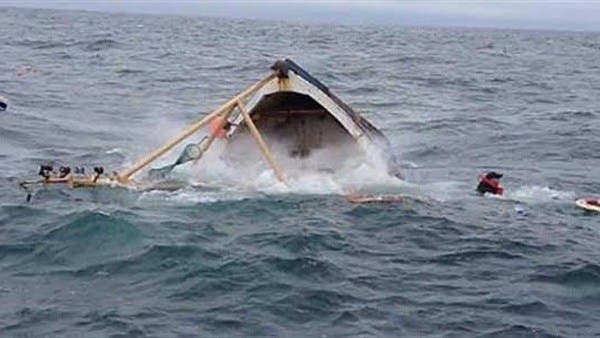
(25, 70)
(589, 203)
(521, 210)
(3, 103)
(358, 198)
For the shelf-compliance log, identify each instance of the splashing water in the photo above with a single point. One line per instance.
(324, 172)
(537, 194)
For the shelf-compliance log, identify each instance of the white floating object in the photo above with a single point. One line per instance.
(590, 204)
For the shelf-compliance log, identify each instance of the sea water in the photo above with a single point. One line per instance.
(258, 258)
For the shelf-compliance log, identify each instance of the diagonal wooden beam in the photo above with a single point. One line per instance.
(261, 143)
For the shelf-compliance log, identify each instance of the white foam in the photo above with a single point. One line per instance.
(251, 176)
(443, 191)
(193, 196)
(538, 194)
(115, 151)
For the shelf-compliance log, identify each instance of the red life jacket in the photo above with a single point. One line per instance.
(493, 183)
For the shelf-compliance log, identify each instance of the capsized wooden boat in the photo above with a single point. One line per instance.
(289, 114)
(300, 117)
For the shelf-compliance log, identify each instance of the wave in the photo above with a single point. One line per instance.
(129, 71)
(588, 274)
(457, 125)
(220, 67)
(95, 45)
(40, 44)
(85, 238)
(175, 79)
(17, 249)
(22, 213)
(192, 195)
(538, 194)
(295, 243)
(110, 320)
(502, 79)
(528, 308)
(306, 305)
(28, 317)
(591, 45)
(571, 115)
(419, 60)
(440, 81)
(155, 258)
(365, 90)
(473, 255)
(89, 225)
(305, 268)
(16, 136)
(519, 331)
(100, 45)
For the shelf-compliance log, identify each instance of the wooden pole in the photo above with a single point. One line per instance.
(261, 143)
(213, 135)
(127, 174)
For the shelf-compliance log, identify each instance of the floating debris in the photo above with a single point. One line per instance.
(3, 103)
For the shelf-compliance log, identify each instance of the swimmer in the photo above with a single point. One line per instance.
(490, 183)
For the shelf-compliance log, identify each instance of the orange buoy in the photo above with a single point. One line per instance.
(218, 126)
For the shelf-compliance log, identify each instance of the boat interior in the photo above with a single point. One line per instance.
(297, 122)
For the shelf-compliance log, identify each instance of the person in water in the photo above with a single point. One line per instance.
(490, 183)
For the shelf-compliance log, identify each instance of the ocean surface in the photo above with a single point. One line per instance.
(89, 88)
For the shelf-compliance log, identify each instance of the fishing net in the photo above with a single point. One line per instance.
(191, 152)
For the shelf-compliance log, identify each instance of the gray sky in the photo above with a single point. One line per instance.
(535, 14)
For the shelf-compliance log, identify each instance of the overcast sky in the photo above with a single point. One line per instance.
(536, 14)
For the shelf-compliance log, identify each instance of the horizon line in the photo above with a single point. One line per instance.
(316, 21)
